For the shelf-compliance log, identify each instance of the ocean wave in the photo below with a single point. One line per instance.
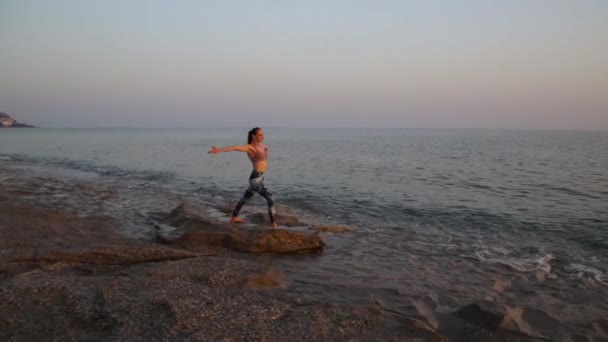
(534, 263)
(104, 170)
(586, 272)
(572, 192)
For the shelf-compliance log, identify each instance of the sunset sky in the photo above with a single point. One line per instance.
(449, 64)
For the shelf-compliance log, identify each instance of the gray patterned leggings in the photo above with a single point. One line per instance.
(256, 184)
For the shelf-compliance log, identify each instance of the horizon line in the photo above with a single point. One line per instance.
(338, 127)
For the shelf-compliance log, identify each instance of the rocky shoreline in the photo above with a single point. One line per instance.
(71, 275)
(68, 277)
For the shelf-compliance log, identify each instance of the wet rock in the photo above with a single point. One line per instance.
(187, 217)
(282, 220)
(540, 319)
(475, 314)
(277, 241)
(514, 321)
(541, 276)
(600, 328)
(108, 255)
(520, 282)
(203, 231)
(267, 279)
(425, 310)
(502, 285)
(226, 208)
(186, 210)
(432, 333)
(482, 322)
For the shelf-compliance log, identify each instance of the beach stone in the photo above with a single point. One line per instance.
(514, 320)
(200, 230)
(502, 285)
(282, 220)
(226, 208)
(482, 317)
(185, 212)
(277, 241)
(267, 279)
(425, 310)
(484, 322)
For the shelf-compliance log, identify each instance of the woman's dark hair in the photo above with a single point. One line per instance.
(251, 134)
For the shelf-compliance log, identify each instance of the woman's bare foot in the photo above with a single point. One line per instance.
(274, 225)
(235, 219)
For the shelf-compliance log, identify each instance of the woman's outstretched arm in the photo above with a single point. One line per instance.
(238, 148)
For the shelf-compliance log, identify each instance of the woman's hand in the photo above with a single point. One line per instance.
(213, 150)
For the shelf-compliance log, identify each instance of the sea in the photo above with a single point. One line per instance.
(440, 218)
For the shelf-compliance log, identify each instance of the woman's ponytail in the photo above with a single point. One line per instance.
(251, 133)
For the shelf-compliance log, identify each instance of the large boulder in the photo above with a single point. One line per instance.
(283, 220)
(278, 241)
(200, 230)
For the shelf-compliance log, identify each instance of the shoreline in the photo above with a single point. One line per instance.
(74, 274)
(68, 277)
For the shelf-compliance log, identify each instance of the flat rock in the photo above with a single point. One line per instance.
(200, 230)
(282, 220)
(106, 255)
(266, 279)
(277, 241)
(482, 317)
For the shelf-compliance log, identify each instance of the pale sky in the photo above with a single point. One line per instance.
(450, 64)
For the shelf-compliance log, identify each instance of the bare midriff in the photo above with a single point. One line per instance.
(260, 165)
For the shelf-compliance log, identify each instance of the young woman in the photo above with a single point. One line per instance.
(258, 154)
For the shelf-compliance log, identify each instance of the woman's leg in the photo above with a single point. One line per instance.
(254, 178)
(235, 213)
(271, 212)
(256, 184)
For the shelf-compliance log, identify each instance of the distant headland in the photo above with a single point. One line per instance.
(7, 122)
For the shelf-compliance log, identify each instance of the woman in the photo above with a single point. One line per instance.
(258, 154)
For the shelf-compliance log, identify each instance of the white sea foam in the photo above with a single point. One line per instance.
(586, 272)
(522, 264)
